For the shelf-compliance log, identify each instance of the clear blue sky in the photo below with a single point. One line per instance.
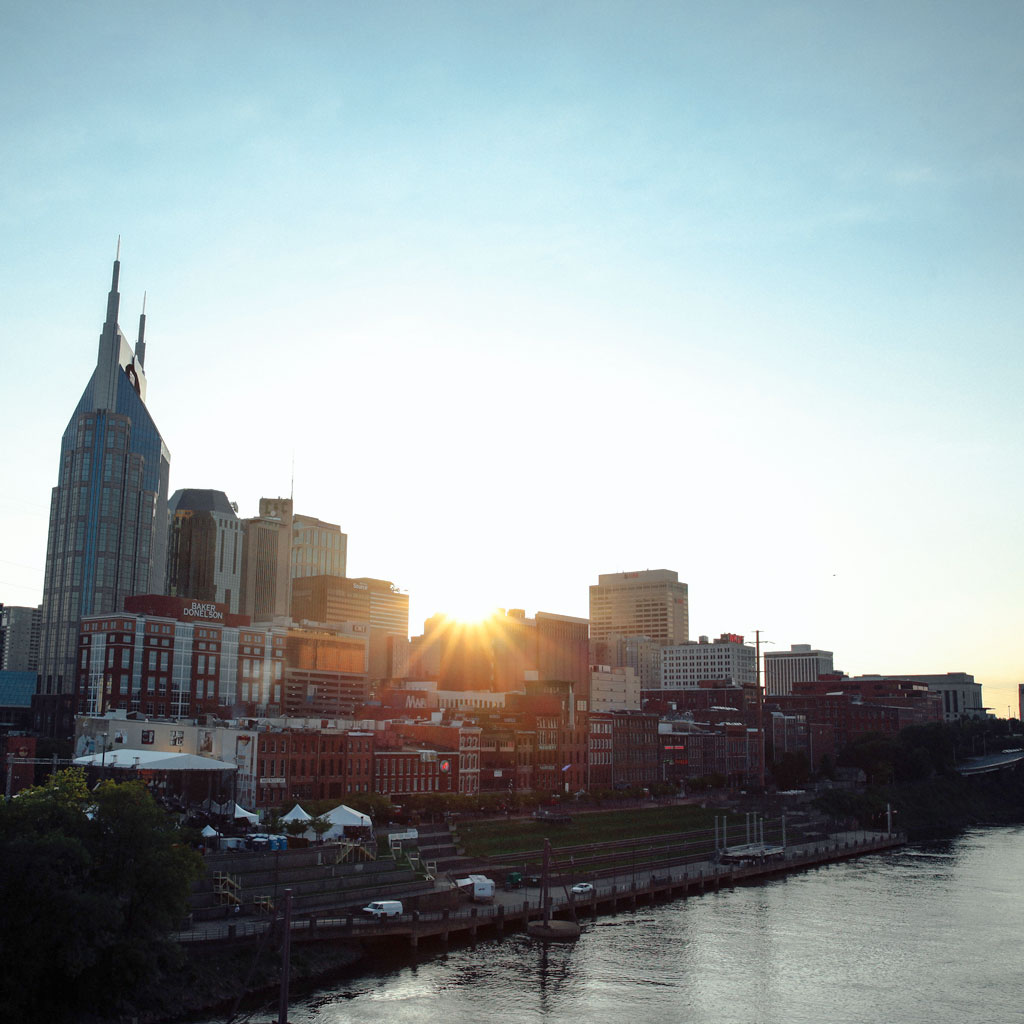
(535, 291)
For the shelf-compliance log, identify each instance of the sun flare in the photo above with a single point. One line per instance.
(469, 613)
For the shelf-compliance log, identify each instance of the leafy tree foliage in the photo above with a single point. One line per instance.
(297, 827)
(91, 885)
(320, 824)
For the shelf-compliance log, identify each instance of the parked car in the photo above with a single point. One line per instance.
(384, 908)
(582, 889)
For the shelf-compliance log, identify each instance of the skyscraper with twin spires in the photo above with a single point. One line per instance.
(108, 513)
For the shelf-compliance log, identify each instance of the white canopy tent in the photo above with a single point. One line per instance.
(343, 816)
(155, 760)
(241, 812)
(296, 814)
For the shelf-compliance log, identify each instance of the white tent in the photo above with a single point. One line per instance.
(241, 812)
(343, 816)
(296, 814)
(209, 832)
(155, 760)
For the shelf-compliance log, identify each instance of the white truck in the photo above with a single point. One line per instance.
(479, 887)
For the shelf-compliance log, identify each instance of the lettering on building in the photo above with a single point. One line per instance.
(203, 610)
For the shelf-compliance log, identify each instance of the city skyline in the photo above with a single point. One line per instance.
(528, 296)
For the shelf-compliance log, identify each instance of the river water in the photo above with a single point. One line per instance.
(930, 933)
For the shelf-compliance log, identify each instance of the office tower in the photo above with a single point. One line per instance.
(19, 638)
(725, 660)
(318, 548)
(108, 513)
(799, 664)
(652, 603)
(266, 562)
(378, 605)
(504, 651)
(204, 552)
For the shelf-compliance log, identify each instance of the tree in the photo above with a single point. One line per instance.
(297, 827)
(321, 824)
(91, 887)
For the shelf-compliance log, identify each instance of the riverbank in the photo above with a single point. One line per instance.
(220, 972)
(215, 980)
(213, 976)
(943, 805)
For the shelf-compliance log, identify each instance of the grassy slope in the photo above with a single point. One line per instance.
(497, 837)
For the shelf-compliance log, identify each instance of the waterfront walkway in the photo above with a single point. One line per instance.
(515, 909)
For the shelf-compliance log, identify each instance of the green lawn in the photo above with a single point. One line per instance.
(498, 837)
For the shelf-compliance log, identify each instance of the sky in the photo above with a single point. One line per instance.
(528, 292)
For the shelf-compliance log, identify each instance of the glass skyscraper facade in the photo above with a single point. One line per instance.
(108, 513)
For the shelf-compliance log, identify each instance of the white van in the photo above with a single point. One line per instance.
(384, 908)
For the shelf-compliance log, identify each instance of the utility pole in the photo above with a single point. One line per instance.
(286, 959)
(760, 703)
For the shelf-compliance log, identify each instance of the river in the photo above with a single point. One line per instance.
(928, 934)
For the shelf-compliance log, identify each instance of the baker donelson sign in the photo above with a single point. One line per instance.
(202, 610)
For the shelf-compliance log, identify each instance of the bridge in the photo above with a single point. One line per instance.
(991, 763)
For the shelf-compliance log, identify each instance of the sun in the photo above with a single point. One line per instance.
(469, 612)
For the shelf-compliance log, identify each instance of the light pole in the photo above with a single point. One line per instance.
(760, 701)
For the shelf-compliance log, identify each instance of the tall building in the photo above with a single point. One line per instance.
(378, 605)
(19, 638)
(332, 599)
(281, 547)
(799, 664)
(108, 513)
(318, 548)
(204, 551)
(652, 603)
(266, 562)
(503, 652)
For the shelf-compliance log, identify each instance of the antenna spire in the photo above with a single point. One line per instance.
(140, 345)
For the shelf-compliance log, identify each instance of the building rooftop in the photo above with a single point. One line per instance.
(191, 499)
